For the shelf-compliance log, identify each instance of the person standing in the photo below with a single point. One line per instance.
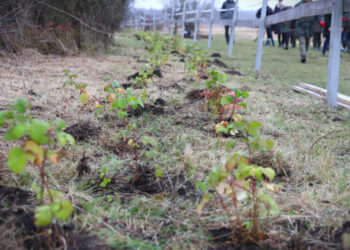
(277, 27)
(269, 12)
(303, 32)
(326, 24)
(285, 30)
(317, 28)
(227, 14)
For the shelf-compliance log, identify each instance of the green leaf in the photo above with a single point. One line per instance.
(105, 182)
(257, 173)
(21, 105)
(215, 177)
(3, 116)
(149, 154)
(16, 132)
(254, 128)
(16, 160)
(84, 98)
(269, 173)
(60, 125)
(268, 145)
(158, 171)
(65, 210)
(63, 138)
(230, 145)
(37, 131)
(227, 100)
(43, 216)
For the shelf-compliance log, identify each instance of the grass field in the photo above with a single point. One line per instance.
(312, 150)
(283, 65)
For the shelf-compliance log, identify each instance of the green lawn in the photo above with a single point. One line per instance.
(282, 65)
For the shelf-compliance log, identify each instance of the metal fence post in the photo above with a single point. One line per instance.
(183, 20)
(211, 23)
(165, 21)
(154, 21)
(233, 25)
(196, 23)
(334, 54)
(172, 20)
(261, 36)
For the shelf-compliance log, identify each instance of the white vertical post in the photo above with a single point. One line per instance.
(138, 23)
(154, 21)
(183, 20)
(334, 54)
(233, 26)
(211, 23)
(172, 20)
(261, 36)
(135, 24)
(165, 21)
(144, 21)
(196, 23)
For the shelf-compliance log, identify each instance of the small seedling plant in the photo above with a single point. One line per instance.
(145, 76)
(41, 143)
(196, 62)
(122, 101)
(222, 100)
(244, 186)
(85, 96)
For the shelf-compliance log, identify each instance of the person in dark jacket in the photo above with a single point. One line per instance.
(303, 31)
(227, 15)
(269, 12)
(326, 24)
(285, 30)
(317, 29)
(277, 27)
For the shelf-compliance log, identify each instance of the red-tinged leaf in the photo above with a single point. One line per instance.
(36, 150)
(53, 156)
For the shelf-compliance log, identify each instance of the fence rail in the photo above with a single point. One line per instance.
(320, 7)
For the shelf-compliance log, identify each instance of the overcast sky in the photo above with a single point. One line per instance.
(243, 4)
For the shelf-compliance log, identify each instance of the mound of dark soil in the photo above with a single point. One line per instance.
(215, 55)
(83, 131)
(194, 95)
(17, 218)
(219, 63)
(118, 147)
(160, 102)
(233, 72)
(147, 108)
(156, 72)
(146, 182)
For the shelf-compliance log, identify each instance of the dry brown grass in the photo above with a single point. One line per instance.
(315, 189)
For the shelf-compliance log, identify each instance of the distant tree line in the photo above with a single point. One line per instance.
(59, 26)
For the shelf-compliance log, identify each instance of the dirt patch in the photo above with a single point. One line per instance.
(83, 131)
(233, 72)
(131, 85)
(146, 182)
(118, 147)
(160, 102)
(83, 167)
(17, 222)
(215, 55)
(220, 63)
(194, 95)
(147, 108)
(156, 72)
(31, 92)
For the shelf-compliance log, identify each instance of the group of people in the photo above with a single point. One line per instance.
(302, 29)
